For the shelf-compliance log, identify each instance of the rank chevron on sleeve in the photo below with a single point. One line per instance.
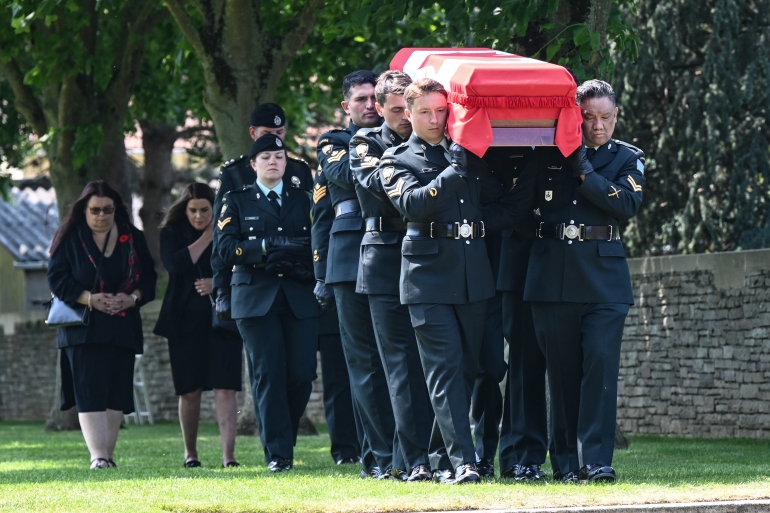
(221, 224)
(637, 187)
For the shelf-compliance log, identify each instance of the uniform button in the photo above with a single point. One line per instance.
(571, 221)
(304, 227)
(467, 242)
(281, 275)
(462, 201)
(549, 178)
(280, 229)
(574, 202)
(568, 242)
(465, 220)
(251, 229)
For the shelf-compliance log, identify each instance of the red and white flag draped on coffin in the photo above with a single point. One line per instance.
(490, 89)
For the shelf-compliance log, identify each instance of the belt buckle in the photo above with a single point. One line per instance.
(380, 220)
(431, 229)
(573, 232)
(539, 231)
(464, 230)
(610, 234)
(483, 229)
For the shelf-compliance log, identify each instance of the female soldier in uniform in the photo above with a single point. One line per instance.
(264, 231)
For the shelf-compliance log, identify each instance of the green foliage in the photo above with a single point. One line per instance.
(698, 102)
(15, 142)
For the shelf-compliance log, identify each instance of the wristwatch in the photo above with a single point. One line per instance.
(136, 298)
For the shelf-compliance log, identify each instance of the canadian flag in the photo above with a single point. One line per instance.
(492, 92)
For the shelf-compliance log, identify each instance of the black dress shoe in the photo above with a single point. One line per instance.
(570, 478)
(192, 464)
(530, 473)
(445, 476)
(467, 474)
(486, 467)
(597, 473)
(374, 473)
(348, 461)
(231, 464)
(398, 475)
(420, 473)
(511, 472)
(280, 465)
(387, 473)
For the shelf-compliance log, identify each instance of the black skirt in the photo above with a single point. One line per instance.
(97, 377)
(204, 357)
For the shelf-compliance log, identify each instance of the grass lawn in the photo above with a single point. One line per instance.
(44, 472)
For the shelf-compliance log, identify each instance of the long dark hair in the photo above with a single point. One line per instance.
(177, 213)
(77, 213)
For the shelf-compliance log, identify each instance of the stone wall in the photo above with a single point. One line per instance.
(696, 350)
(28, 360)
(695, 357)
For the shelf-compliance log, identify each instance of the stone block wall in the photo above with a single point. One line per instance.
(695, 359)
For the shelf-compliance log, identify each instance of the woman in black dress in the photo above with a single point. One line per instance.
(99, 259)
(202, 357)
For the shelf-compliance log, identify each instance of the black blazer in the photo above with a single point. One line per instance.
(182, 273)
(247, 220)
(70, 273)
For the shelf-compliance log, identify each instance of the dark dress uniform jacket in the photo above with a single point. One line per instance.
(182, 273)
(243, 225)
(234, 175)
(347, 229)
(70, 272)
(419, 182)
(379, 266)
(589, 271)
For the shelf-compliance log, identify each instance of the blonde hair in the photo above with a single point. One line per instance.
(420, 88)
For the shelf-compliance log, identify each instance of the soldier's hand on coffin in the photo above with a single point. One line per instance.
(579, 162)
(325, 295)
(283, 252)
(458, 158)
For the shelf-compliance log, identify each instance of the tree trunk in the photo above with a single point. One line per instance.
(156, 182)
(61, 420)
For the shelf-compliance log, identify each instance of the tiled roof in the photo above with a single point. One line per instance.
(28, 222)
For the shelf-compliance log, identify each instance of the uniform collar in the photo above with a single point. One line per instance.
(265, 189)
(390, 136)
(352, 128)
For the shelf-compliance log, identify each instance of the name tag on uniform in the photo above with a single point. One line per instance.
(429, 169)
(252, 218)
(252, 238)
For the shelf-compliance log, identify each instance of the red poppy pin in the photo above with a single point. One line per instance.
(123, 238)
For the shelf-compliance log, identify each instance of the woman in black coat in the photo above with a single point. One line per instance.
(202, 357)
(264, 231)
(99, 259)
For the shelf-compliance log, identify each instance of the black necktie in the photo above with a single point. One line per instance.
(590, 153)
(273, 196)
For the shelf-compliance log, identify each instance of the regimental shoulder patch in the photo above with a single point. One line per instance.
(362, 149)
(387, 173)
(395, 193)
(222, 212)
(238, 251)
(319, 193)
(295, 181)
(634, 185)
(221, 224)
(433, 192)
(337, 155)
(327, 149)
(323, 141)
(370, 161)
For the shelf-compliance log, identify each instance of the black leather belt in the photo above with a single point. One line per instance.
(446, 230)
(385, 224)
(346, 207)
(577, 231)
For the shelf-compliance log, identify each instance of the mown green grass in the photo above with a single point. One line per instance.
(44, 472)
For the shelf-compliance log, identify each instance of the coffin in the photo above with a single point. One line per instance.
(498, 98)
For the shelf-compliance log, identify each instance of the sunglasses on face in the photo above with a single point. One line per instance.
(95, 211)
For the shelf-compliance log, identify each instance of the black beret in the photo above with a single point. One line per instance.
(269, 115)
(268, 142)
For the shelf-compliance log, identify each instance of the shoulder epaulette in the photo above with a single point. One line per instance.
(242, 189)
(637, 152)
(302, 161)
(232, 162)
(328, 137)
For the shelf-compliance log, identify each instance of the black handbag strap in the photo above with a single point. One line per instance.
(99, 263)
